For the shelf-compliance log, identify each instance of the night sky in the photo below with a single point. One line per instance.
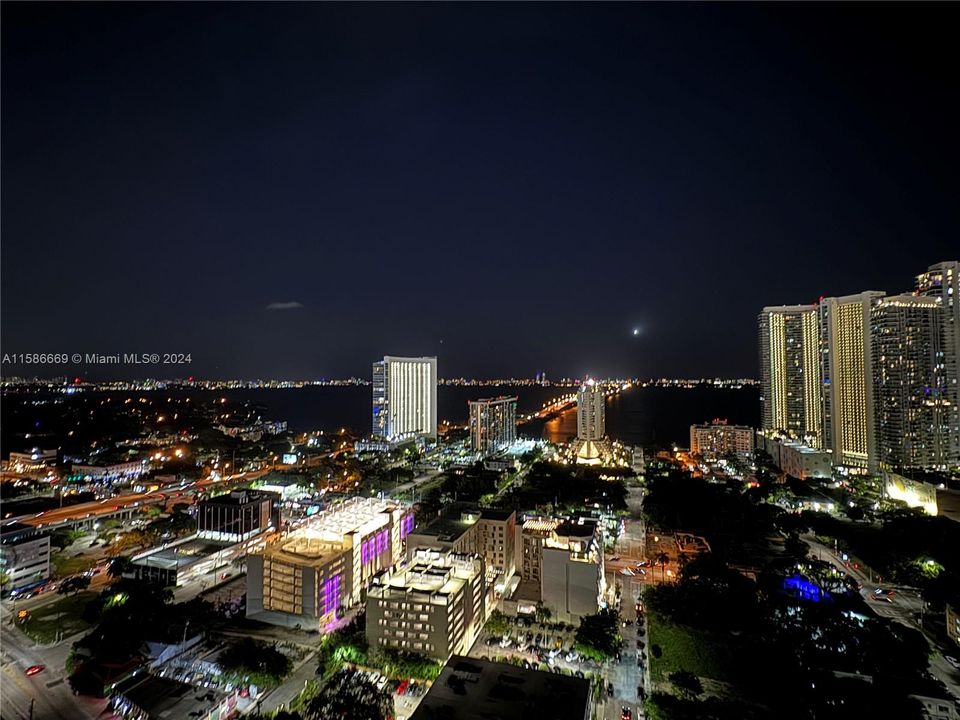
(514, 188)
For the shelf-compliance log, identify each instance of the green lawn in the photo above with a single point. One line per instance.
(687, 649)
(65, 565)
(64, 616)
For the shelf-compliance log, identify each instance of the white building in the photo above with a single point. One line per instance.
(24, 555)
(795, 458)
(591, 412)
(493, 424)
(434, 606)
(560, 564)
(405, 398)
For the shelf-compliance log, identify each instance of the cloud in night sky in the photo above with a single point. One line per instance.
(284, 306)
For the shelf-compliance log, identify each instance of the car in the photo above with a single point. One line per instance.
(34, 669)
(952, 660)
(610, 690)
(626, 714)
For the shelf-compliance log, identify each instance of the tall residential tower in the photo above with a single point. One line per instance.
(591, 412)
(846, 374)
(790, 373)
(493, 424)
(405, 398)
(942, 282)
(909, 383)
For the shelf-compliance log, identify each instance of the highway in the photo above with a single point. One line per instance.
(100, 509)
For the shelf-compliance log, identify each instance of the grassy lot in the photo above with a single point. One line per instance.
(687, 649)
(65, 565)
(63, 615)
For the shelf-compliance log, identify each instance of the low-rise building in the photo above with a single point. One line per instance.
(158, 698)
(311, 574)
(238, 515)
(34, 459)
(111, 472)
(24, 555)
(434, 605)
(716, 439)
(796, 459)
(469, 530)
(468, 689)
(183, 561)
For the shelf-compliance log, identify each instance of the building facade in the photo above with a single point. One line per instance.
(491, 534)
(24, 555)
(434, 606)
(238, 515)
(32, 460)
(789, 371)
(846, 377)
(718, 438)
(795, 458)
(909, 385)
(405, 398)
(493, 424)
(560, 563)
(310, 575)
(591, 412)
(942, 282)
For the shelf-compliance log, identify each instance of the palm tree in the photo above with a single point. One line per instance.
(662, 559)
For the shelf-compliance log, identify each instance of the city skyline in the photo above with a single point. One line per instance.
(258, 191)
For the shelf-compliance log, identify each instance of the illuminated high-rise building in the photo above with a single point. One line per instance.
(846, 373)
(591, 412)
(790, 373)
(493, 424)
(405, 398)
(942, 282)
(909, 388)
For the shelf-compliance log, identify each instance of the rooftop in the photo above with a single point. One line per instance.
(470, 689)
(434, 572)
(163, 698)
(457, 519)
(179, 554)
(241, 496)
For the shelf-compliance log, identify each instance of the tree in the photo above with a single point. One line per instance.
(598, 636)
(120, 566)
(256, 661)
(497, 623)
(662, 559)
(794, 547)
(73, 584)
(542, 614)
(686, 683)
(350, 696)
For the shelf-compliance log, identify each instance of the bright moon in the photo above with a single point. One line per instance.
(636, 331)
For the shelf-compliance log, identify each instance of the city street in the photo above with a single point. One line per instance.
(49, 690)
(903, 606)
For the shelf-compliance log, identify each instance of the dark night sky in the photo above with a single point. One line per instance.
(513, 188)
